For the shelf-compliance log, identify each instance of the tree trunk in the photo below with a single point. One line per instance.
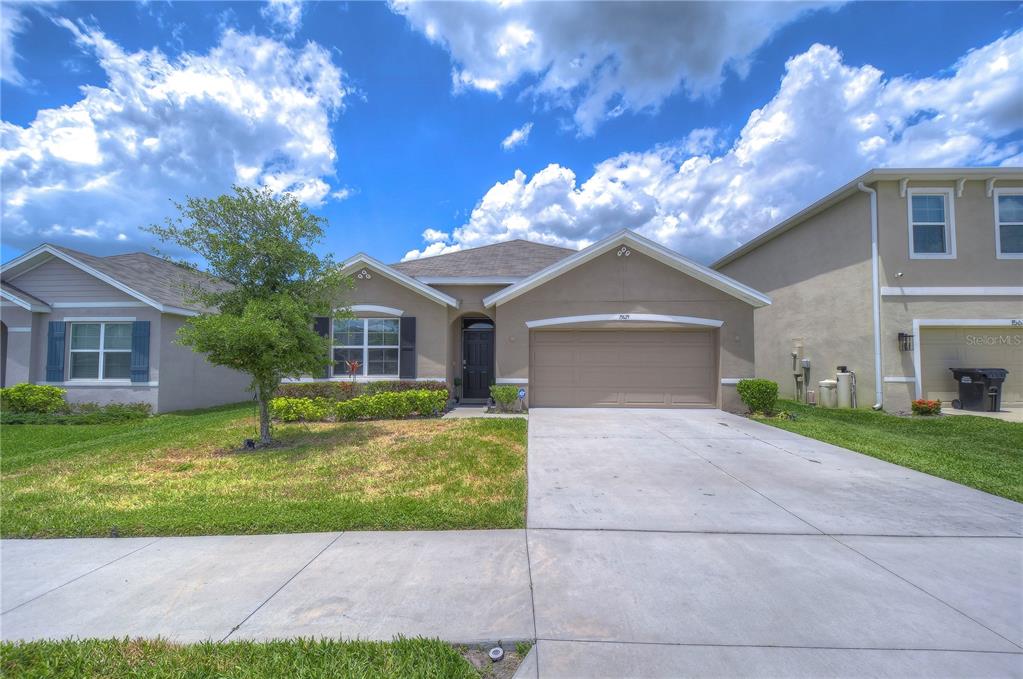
(264, 415)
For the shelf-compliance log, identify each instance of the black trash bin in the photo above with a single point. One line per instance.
(980, 389)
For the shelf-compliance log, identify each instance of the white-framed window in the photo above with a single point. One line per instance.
(932, 224)
(373, 342)
(1009, 223)
(100, 351)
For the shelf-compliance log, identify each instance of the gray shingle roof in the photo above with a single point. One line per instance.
(510, 258)
(21, 294)
(158, 279)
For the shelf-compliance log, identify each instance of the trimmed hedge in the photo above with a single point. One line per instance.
(759, 395)
(335, 391)
(83, 413)
(385, 405)
(404, 385)
(344, 390)
(45, 404)
(32, 398)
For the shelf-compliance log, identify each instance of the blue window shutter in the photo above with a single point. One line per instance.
(55, 352)
(407, 350)
(140, 351)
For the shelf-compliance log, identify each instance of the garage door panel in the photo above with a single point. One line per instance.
(639, 368)
(944, 348)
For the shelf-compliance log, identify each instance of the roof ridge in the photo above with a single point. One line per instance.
(483, 247)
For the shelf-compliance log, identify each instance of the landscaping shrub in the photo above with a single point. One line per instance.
(404, 385)
(82, 413)
(393, 405)
(760, 396)
(335, 391)
(926, 407)
(32, 398)
(385, 405)
(297, 409)
(505, 396)
(344, 390)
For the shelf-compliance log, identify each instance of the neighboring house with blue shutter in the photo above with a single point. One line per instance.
(104, 329)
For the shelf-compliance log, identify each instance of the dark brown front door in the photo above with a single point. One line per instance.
(477, 362)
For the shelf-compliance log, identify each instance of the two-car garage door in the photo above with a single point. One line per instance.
(639, 368)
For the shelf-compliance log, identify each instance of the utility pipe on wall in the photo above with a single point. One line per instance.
(875, 294)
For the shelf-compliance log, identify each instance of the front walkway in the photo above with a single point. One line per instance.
(660, 544)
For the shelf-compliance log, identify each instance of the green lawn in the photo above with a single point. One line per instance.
(107, 659)
(181, 474)
(976, 451)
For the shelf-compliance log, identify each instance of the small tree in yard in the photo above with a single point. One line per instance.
(261, 245)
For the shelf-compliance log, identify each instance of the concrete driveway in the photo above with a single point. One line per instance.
(699, 543)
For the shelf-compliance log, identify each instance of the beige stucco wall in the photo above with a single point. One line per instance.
(898, 314)
(431, 319)
(818, 275)
(192, 382)
(609, 284)
(99, 393)
(470, 305)
(975, 263)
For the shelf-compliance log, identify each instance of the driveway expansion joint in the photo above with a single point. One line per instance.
(79, 577)
(285, 584)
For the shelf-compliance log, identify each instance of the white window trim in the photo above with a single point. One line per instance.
(950, 222)
(102, 355)
(365, 347)
(998, 222)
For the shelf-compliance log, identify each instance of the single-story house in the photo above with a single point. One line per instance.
(624, 322)
(103, 328)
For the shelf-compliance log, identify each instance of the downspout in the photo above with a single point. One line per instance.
(876, 295)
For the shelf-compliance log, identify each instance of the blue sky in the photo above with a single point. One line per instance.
(699, 126)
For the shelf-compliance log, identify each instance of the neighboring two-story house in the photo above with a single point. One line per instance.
(899, 275)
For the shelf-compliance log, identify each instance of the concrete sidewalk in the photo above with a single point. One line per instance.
(462, 586)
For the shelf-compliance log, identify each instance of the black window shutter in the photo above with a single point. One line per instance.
(407, 352)
(140, 351)
(321, 324)
(55, 352)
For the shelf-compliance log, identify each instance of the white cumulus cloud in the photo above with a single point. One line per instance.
(599, 59)
(251, 111)
(284, 15)
(827, 123)
(517, 137)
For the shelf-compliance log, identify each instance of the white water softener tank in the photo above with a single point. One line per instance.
(827, 396)
(844, 389)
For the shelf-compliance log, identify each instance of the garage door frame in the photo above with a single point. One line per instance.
(713, 331)
(919, 323)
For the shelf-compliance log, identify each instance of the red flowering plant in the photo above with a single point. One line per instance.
(354, 368)
(926, 407)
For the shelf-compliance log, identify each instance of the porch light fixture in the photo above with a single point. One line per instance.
(905, 341)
